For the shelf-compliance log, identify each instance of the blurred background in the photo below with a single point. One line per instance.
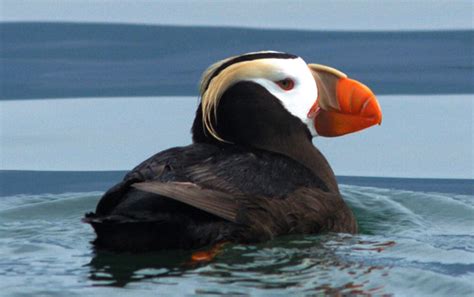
(102, 85)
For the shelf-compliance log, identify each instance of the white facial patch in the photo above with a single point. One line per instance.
(299, 100)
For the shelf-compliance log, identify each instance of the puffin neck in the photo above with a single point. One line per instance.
(304, 153)
(298, 147)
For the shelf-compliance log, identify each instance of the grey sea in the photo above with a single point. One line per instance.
(81, 103)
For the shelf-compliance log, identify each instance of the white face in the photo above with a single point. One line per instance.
(299, 99)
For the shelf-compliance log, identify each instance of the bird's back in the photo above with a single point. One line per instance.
(251, 180)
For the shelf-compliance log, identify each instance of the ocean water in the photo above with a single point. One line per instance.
(426, 136)
(57, 157)
(58, 60)
(412, 243)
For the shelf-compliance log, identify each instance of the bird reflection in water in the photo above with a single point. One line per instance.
(327, 264)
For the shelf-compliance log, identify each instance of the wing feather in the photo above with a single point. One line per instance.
(215, 202)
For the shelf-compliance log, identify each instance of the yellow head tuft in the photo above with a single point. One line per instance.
(213, 87)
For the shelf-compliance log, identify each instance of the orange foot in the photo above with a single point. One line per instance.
(207, 256)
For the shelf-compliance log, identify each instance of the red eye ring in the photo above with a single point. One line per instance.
(286, 84)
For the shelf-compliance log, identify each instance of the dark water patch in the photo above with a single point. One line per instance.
(457, 186)
(106, 270)
(57, 60)
(13, 182)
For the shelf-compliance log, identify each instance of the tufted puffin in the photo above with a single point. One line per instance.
(252, 171)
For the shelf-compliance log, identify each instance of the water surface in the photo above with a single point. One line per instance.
(58, 60)
(412, 243)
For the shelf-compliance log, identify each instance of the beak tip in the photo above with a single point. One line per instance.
(372, 109)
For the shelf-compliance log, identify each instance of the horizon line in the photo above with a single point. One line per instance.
(146, 24)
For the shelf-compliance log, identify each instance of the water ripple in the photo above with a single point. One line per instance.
(411, 244)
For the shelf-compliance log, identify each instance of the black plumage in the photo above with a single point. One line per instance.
(266, 180)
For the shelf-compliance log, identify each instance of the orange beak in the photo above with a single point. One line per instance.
(357, 109)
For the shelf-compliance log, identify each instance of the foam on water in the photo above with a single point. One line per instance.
(411, 244)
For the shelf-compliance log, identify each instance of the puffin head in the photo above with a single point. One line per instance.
(269, 97)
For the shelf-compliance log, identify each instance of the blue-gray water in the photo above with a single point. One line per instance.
(417, 234)
(413, 242)
(51, 60)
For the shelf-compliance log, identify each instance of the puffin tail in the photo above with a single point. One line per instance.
(123, 233)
